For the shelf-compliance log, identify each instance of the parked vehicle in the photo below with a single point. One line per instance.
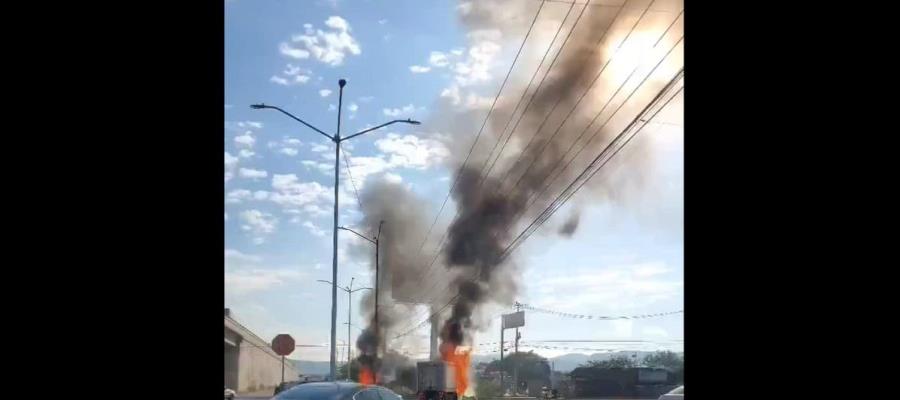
(435, 381)
(229, 394)
(675, 394)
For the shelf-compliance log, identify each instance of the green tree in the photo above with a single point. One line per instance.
(615, 362)
(665, 359)
(354, 371)
(531, 366)
(486, 389)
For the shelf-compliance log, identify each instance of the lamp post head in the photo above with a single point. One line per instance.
(410, 121)
(342, 82)
(258, 106)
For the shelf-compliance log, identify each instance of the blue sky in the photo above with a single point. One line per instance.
(399, 60)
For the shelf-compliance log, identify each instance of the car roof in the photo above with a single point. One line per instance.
(324, 390)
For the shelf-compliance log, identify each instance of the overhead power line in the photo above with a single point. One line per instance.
(478, 135)
(564, 196)
(559, 99)
(590, 170)
(598, 317)
(484, 175)
(350, 175)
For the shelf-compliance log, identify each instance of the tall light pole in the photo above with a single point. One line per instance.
(350, 290)
(376, 243)
(337, 139)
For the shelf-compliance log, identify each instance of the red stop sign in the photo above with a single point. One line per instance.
(283, 344)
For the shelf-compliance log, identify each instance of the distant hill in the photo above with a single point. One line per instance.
(312, 367)
(563, 363)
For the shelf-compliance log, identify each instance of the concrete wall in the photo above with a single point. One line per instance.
(250, 365)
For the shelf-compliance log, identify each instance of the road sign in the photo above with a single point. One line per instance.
(283, 344)
(514, 320)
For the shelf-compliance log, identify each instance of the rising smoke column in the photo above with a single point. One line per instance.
(490, 209)
(405, 222)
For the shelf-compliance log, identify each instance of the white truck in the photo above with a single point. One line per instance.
(435, 381)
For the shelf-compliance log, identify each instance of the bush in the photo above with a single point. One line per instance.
(485, 389)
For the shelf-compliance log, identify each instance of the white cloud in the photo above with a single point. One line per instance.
(288, 151)
(366, 99)
(412, 152)
(465, 7)
(314, 229)
(438, 59)
(308, 28)
(245, 140)
(470, 101)
(611, 289)
(260, 195)
(457, 52)
(353, 107)
(315, 210)
(382, 21)
(258, 224)
(393, 178)
(234, 258)
(292, 52)
(318, 148)
(244, 153)
(237, 196)
(324, 92)
(362, 167)
(480, 58)
(279, 80)
(231, 163)
(395, 112)
(290, 193)
(287, 146)
(293, 75)
(654, 332)
(250, 173)
(226, 216)
(418, 69)
(243, 282)
(244, 275)
(250, 124)
(332, 107)
(337, 23)
(332, 46)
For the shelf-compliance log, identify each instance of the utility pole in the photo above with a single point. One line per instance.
(337, 139)
(502, 388)
(350, 290)
(349, 314)
(516, 363)
(376, 242)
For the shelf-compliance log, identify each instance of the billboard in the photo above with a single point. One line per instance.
(514, 320)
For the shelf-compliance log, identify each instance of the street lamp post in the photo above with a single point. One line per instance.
(337, 139)
(376, 242)
(350, 290)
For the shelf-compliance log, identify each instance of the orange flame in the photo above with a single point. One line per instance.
(459, 357)
(366, 376)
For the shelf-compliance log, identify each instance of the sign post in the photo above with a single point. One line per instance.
(514, 320)
(283, 345)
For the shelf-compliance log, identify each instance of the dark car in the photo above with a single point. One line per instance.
(337, 391)
(285, 386)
